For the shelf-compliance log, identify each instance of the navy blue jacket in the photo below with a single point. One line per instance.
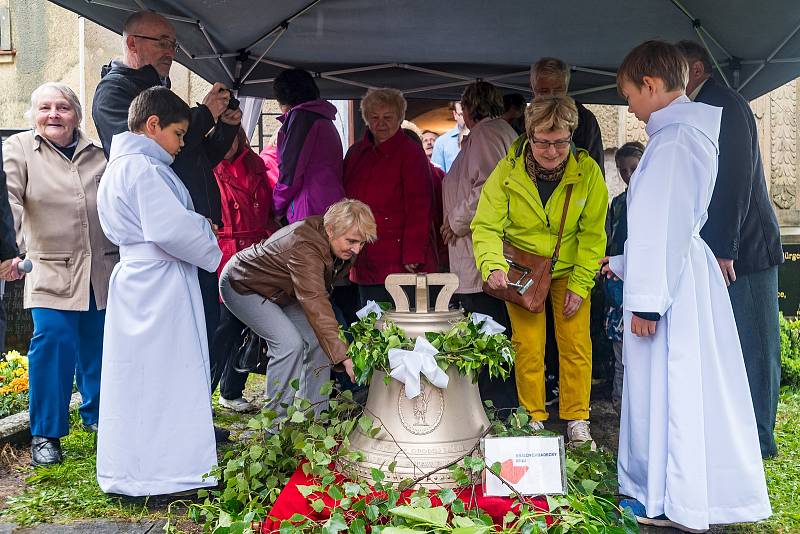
(741, 220)
(195, 163)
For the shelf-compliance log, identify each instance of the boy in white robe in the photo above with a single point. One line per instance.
(688, 445)
(155, 432)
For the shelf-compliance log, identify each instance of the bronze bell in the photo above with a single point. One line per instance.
(437, 426)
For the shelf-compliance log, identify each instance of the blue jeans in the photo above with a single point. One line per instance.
(66, 346)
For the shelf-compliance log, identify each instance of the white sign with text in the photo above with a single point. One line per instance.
(533, 465)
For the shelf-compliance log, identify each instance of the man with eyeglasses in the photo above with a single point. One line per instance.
(149, 47)
(550, 77)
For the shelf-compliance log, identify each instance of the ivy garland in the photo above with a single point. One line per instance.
(253, 476)
(463, 346)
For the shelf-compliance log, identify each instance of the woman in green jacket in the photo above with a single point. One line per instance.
(522, 202)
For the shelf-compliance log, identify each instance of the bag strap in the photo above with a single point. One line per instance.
(561, 228)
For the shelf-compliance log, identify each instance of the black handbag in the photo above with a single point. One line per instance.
(252, 355)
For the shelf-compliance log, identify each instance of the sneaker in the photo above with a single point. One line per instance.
(239, 405)
(578, 433)
(536, 426)
(638, 510)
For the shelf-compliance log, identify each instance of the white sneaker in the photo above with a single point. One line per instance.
(578, 433)
(237, 405)
(536, 426)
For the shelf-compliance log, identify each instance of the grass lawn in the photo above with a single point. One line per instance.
(70, 492)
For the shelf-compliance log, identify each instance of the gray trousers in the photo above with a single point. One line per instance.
(755, 306)
(295, 353)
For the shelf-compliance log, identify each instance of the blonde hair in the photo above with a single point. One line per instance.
(551, 68)
(387, 97)
(65, 91)
(551, 113)
(349, 213)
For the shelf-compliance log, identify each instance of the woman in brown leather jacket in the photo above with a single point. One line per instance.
(281, 288)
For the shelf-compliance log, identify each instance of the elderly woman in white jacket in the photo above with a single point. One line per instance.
(488, 142)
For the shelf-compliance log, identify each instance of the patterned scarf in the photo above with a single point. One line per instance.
(537, 172)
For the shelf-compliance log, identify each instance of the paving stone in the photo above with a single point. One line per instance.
(93, 527)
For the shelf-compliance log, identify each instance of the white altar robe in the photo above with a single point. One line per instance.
(688, 445)
(155, 433)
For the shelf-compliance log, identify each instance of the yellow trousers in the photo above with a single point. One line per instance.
(575, 356)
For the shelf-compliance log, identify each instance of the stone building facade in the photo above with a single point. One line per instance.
(49, 43)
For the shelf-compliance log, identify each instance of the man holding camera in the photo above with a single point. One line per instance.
(149, 47)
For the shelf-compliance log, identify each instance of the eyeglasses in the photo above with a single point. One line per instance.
(561, 144)
(164, 43)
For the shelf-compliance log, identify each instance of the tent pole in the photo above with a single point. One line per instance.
(120, 7)
(771, 56)
(595, 71)
(696, 22)
(509, 75)
(214, 49)
(705, 45)
(434, 87)
(361, 69)
(112, 5)
(434, 72)
(286, 22)
(517, 88)
(266, 51)
(345, 81)
(215, 56)
(141, 5)
(593, 89)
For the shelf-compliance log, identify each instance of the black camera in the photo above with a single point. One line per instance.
(233, 102)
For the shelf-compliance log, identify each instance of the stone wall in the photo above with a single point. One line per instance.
(46, 41)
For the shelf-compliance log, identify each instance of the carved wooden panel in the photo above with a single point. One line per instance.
(783, 146)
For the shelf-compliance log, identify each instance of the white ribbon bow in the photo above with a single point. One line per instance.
(407, 365)
(371, 306)
(489, 326)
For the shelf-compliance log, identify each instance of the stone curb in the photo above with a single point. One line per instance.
(16, 428)
(87, 527)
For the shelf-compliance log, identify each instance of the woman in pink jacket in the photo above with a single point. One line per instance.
(490, 137)
(246, 216)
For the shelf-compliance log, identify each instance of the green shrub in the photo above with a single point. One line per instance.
(790, 353)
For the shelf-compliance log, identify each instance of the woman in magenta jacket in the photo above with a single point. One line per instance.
(390, 173)
(309, 149)
(247, 219)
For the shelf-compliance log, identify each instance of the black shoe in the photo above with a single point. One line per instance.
(221, 435)
(551, 393)
(45, 451)
(90, 428)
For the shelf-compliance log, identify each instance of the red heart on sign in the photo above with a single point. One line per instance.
(512, 473)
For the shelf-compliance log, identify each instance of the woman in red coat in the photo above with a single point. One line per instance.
(247, 219)
(390, 173)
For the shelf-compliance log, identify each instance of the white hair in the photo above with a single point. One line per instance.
(65, 91)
